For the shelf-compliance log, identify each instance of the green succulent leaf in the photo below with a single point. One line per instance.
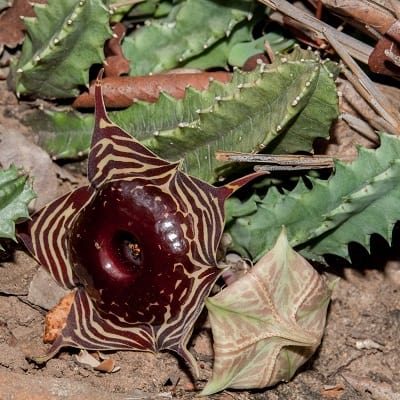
(217, 55)
(359, 199)
(149, 8)
(241, 51)
(63, 41)
(15, 195)
(190, 29)
(285, 105)
(238, 47)
(64, 135)
(262, 336)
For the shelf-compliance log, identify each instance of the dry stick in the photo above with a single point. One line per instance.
(364, 85)
(357, 49)
(282, 162)
(269, 51)
(374, 32)
(362, 108)
(379, 122)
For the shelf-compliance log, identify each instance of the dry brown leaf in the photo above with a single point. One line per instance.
(107, 365)
(115, 64)
(56, 318)
(123, 91)
(333, 392)
(12, 26)
(386, 52)
(363, 13)
(96, 361)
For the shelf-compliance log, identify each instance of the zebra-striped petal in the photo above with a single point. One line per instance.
(139, 244)
(46, 234)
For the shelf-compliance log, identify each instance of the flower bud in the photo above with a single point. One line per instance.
(267, 323)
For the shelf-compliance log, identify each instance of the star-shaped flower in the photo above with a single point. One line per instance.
(138, 245)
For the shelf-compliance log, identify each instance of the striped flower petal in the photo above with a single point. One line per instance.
(139, 244)
(46, 234)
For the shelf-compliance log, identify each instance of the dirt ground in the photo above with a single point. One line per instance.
(358, 359)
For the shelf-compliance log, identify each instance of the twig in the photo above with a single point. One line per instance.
(269, 51)
(283, 162)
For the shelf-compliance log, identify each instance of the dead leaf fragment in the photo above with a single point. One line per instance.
(363, 12)
(116, 64)
(56, 318)
(107, 366)
(383, 59)
(96, 361)
(367, 344)
(333, 392)
(12, 30)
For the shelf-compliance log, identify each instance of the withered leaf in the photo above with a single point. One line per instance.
(364, 13)
(384, 58)
(56, 318)
(116, 63)
(123, 91)
(12, 26)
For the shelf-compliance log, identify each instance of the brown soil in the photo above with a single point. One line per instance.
(358, 359)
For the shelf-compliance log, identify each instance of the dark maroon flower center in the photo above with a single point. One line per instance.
(128, 248)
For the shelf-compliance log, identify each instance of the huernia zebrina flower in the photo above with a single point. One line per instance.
(138, 245)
